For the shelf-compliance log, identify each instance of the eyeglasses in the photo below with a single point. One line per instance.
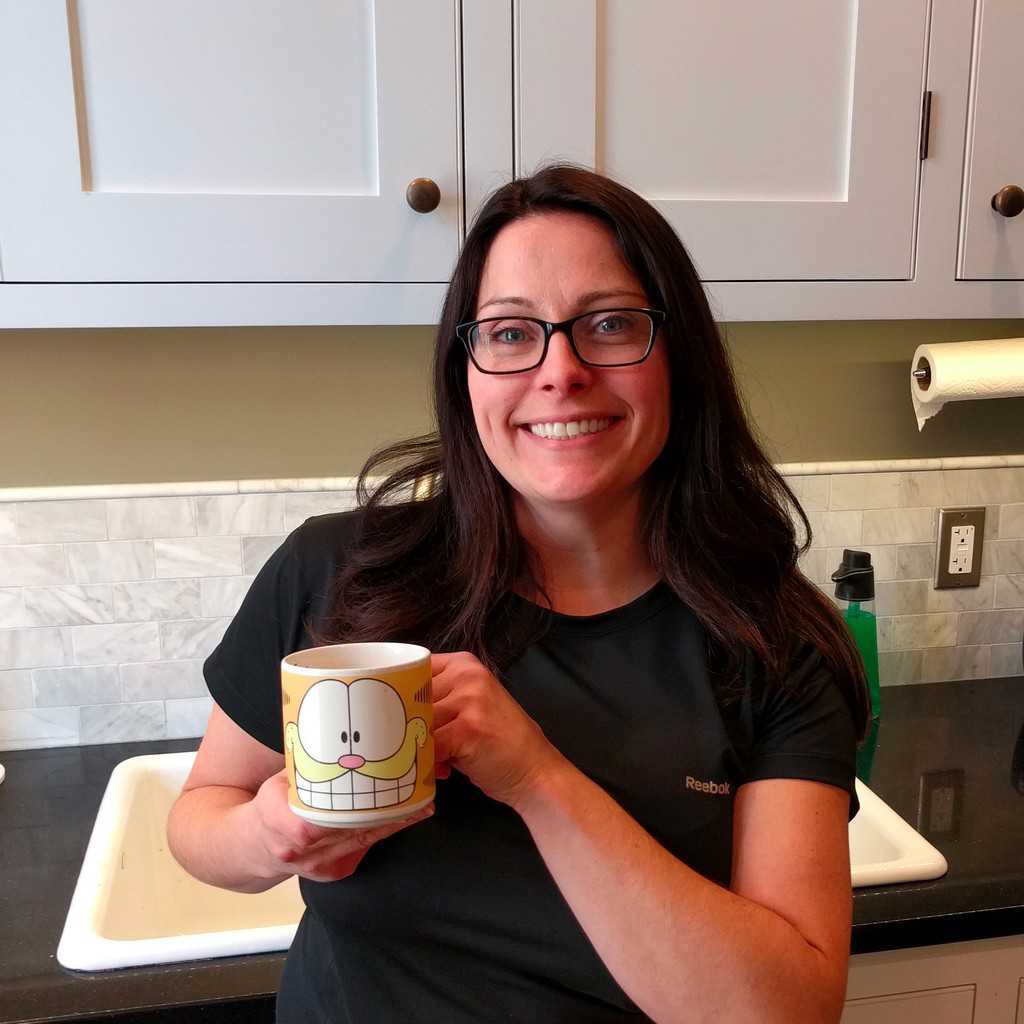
(601, 337)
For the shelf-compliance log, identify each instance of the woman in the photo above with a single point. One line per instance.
(645, 716)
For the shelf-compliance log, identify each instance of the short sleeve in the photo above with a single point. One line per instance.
(804, 729)
(243, 674)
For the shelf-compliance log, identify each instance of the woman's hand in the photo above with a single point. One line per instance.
(286, 844)
(481, 730)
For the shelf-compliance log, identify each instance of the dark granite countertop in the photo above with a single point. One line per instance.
(47, 806)
(949, 761)
(944, 760)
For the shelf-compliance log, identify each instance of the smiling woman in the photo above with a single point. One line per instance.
(555, 257)
(645, 718)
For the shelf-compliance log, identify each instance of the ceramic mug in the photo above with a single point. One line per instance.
(358, 732)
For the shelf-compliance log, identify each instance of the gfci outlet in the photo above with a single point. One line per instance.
(958, 560)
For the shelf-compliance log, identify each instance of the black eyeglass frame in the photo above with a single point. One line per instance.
(658, 318)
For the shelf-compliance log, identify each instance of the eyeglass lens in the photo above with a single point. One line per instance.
(606, 338)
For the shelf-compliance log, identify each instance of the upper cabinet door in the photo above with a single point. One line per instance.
(242, 140)
(781, 140)
(991, 243)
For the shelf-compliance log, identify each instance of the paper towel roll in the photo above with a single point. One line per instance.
(966, 369)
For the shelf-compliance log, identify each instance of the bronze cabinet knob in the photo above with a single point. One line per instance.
(423, 195)
(1009, 200)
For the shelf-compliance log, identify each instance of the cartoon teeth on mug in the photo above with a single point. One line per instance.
(357, 732)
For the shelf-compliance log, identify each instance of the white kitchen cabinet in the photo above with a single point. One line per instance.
(246, 162)
(784, 141)
(992, 245)
(242, 141)
(938, 1006)
(780, 140)
(956, 983)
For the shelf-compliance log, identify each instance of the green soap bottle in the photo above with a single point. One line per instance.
(855, 584)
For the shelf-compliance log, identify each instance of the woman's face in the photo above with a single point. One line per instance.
(553, 266)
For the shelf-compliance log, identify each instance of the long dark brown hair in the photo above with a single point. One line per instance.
(717, 526)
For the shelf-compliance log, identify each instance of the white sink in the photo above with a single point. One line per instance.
(134, 904)
(885, 849)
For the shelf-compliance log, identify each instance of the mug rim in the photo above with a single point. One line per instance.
(405, 656)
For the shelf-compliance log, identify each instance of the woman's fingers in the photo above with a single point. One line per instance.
(338, 856)
(301, 847)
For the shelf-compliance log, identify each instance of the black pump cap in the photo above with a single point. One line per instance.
(855, 577)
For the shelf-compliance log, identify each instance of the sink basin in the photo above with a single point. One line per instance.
(885, 849)
(134, 904)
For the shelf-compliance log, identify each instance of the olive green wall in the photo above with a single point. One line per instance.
(155, 405)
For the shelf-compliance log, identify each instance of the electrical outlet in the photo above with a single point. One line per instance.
(958, 558)
(940, 804)
(961, 550)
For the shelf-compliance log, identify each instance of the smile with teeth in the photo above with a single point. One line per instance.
(352, 791)
(572, 428)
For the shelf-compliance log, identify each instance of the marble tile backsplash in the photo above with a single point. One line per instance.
(926, 635)
(108, 606)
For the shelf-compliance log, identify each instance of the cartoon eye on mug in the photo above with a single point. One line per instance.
(352, 745)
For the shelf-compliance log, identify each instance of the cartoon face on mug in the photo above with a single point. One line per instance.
(353, 747)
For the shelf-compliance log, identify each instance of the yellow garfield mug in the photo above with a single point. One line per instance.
(358, 732)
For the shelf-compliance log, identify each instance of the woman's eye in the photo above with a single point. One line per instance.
(609, 324)
(508, 335)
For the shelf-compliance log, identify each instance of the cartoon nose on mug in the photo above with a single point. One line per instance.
(351, 761)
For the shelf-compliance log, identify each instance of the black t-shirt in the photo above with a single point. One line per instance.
(457, 919)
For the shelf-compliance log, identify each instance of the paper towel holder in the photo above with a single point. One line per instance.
(923, 374)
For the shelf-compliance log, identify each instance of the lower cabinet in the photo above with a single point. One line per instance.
(959, 983)
(938, 1006)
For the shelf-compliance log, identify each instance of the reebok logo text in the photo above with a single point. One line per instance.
(716, 788)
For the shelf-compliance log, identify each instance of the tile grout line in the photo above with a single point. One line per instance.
(308, 484)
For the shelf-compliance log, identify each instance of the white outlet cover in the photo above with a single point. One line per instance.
(961, 549)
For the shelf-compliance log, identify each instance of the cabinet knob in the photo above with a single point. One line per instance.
(423, 195)
(1009, 200)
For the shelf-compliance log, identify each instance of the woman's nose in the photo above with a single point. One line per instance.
(561, 366)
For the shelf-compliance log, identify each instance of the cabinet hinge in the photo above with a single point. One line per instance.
(926, 121)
